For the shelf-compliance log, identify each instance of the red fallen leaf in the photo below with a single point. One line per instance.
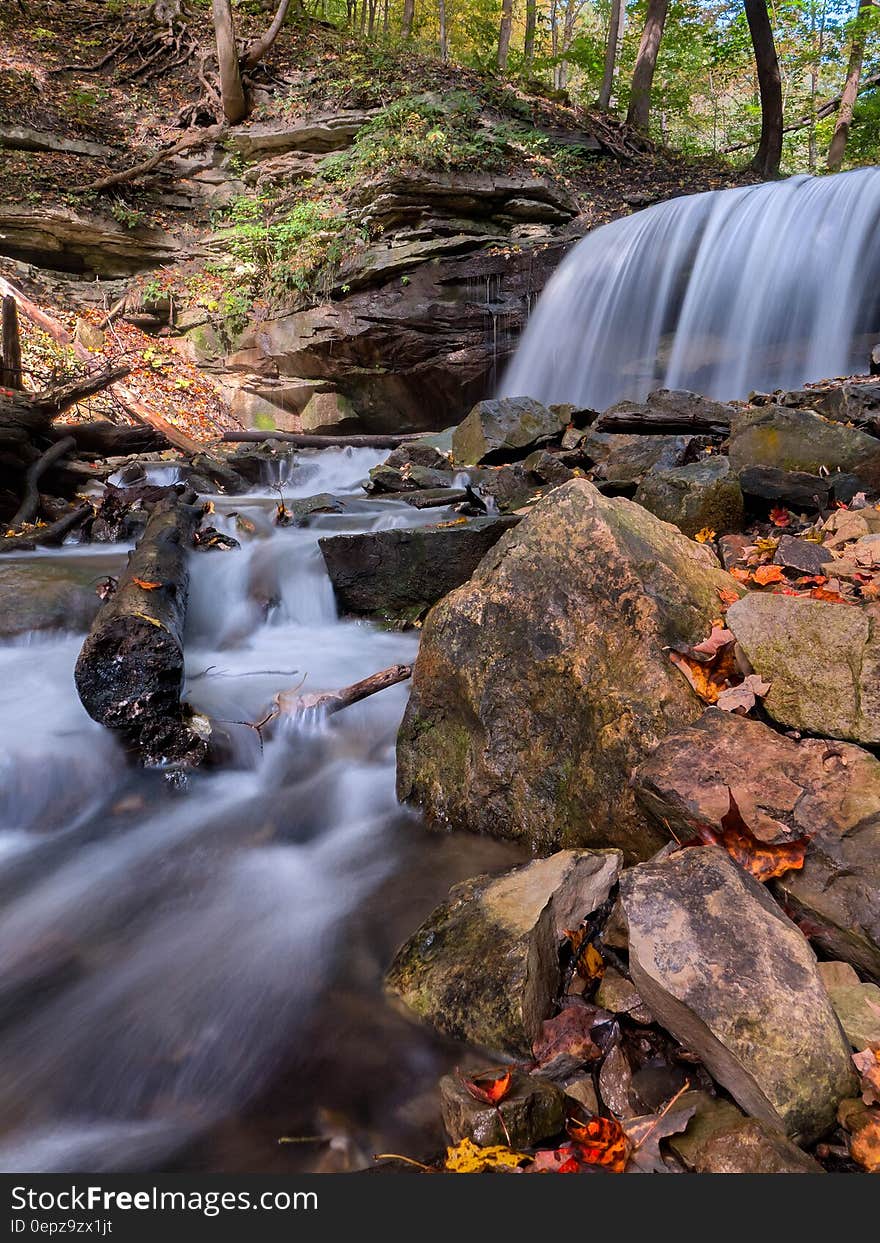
(601, 1141)
(562, 1160)
(145, 584)
(780, 517)
(817, 580)
(768, 574)
(763, 860)
(489, 1086)
(717, 639)
(569, 1034)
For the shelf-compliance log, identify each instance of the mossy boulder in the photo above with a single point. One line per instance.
(621, 459)
(720, 1139)
(822, 661)
(544, 680)
(721, 968)
(484, 967)
(693, 497)
(500, 429)
(799, 440)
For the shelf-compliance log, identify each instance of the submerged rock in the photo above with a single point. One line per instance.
(821, 659)
(400, 572)
(500, 428)
(484, 967)
(702, 494)
(799, 440)
(721, 968)
(532, 1111)
(784, 790)
(543, 681)
(37, 593)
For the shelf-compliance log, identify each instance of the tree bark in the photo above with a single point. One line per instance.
(661, 423)
(409, 13)
(614, 29)
(504, 33)
(100, 438)
(769, 154)
(30, 503)
(235, 107)
(646, 63)
(129, 675)
(529, 37)
(837, 150)
(258, 49)
(46, 536)
(302, 440)
(444, 41)
(10, 345)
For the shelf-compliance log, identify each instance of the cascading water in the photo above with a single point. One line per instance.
(762, 287)
(167, 958)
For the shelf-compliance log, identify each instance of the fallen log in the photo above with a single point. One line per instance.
(100, 438)
(27, 510)
(300, 440)
(647, 421)
(35, 411)
(289, 703)
(47, 536)
(129, 674)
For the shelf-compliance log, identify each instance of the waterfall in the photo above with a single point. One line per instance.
(760, 287)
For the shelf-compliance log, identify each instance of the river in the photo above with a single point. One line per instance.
(189, 975)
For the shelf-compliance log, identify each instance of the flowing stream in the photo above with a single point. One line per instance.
(762, 287)
(188, 975)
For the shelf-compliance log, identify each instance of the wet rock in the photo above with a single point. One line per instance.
(500, 428)
(719, 1139)
(874, 360)
(547, 468)
(330, 412)
(734, 981)
(792, 488)
(401, 572)
(619, 995)
(821, 659)
(39, 594)
(418, 453)
(544, 680)
(615, 1082)
(622, 459)
(784, 789)
(532, 1111)
(510, 487)
(853, 401)
(322, 503)
(798, 440)
(702, 494)
(428, 498)
(409, 478)
(581, 1089)
(800, 554)
(856, 1005)
(484, 967)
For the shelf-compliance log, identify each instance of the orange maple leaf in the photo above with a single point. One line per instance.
(600, 1141)
(768, 574)
(489, 1086)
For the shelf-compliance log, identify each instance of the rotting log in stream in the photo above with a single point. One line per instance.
(301, 440)
(129, 674)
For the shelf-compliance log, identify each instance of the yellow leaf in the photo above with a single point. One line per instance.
(467, 1158)
(704, 536)
(145, 617)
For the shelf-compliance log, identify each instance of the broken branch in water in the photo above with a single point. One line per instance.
(289, 703)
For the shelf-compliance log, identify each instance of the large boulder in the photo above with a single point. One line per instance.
(500, 428)
(400, 572)
(621, 459)
(800, 440)
(544, 680)
(702, 494)
(722, 969)
(484, 967)
(784, 789)
(822, 661)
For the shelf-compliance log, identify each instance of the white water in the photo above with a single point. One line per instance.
(164, 954)
(762, 287)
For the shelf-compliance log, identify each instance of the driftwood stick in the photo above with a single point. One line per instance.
(27, 510)
(301, 440)
(199, 138)
(289, 703)
(10, 345)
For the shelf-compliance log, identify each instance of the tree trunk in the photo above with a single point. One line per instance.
(646, 62)
(769, 154)
(129, 675)
(529, 39)
(837, 150)
(614, 28)
(235, 107)
(258, 49)
(444, 41)
(409, 12)
(504, 33)
(304, 440)
(10, 345)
